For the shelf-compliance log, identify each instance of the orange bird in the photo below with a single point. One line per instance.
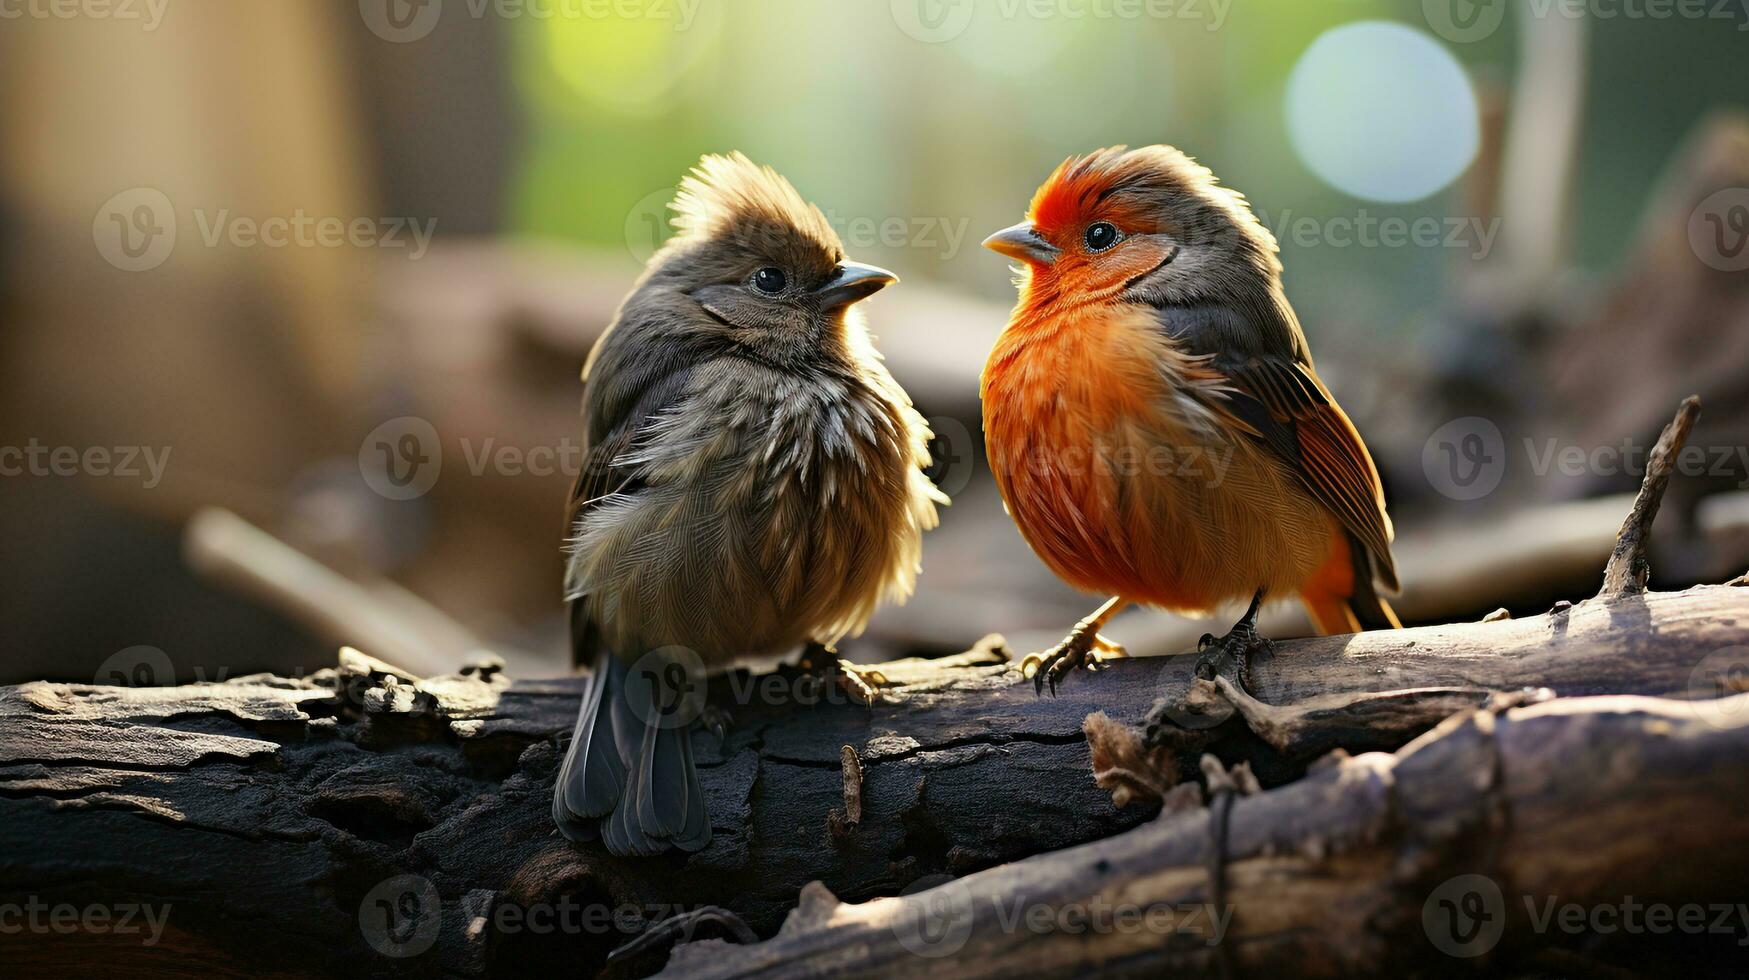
(1155, 423)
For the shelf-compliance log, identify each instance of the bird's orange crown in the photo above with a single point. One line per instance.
(1158, 202)
(1081, 188)
(1122, 185)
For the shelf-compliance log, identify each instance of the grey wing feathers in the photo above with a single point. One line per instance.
(626, 776)
(605, 471)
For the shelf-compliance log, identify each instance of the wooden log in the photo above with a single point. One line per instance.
(1466, 849)
(273, 816)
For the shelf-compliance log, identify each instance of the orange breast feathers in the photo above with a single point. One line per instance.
(1125, 481)
(1069, 401)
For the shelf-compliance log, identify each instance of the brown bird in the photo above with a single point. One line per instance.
(754, 481)
(1154, 420)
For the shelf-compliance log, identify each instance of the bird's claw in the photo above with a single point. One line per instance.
(716, 721)
(1229, 654)
(1082, 648)
(861, 685)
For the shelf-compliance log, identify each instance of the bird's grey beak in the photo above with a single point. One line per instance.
(853, 282)
(1023, 242)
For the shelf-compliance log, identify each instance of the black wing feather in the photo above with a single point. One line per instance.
(1276, 396)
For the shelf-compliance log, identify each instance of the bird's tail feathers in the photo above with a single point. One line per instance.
(592, 777)
(1342, 598)
(628, 775)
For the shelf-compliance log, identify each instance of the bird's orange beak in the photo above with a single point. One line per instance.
(1023, 242)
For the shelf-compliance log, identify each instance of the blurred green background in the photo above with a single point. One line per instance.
(874, 122)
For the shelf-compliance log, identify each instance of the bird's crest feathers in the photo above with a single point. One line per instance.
(1123, 183)
(731, 192)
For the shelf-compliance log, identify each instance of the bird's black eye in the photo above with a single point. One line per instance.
(1100, 236)
(769, 280)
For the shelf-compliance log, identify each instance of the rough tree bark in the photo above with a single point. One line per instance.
(265, 811)
(1463, 850)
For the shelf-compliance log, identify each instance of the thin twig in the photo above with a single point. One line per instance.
(382, 618)
(679, 929)
(1224, 787)
(1628, 568)
(852, 766)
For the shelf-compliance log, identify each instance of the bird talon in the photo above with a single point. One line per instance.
(1104, 649)
(816, 657)
(856, 685)
(1083, 648)
(860, 684)
(1038, 681)
(1231, 655)
(716, 721)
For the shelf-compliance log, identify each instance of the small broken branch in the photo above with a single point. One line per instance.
(841, 824)
(681, 929)
(1628, 566)
(382, 617)
(852, 784)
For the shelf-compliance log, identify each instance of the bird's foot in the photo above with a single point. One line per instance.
(1230, 655)
(1083, 647)
(860, 684)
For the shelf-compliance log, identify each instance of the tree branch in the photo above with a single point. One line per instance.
(1628, 567)
(1344, 873)
(287, 801)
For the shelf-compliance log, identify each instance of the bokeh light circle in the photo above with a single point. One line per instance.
(1382, 111)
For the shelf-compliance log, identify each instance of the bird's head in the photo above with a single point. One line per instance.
(1148, 225)
(755, 266)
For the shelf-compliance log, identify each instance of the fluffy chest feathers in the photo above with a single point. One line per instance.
(1061, 392)
(774, 508)
(1058, 394)
(1114, 463)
